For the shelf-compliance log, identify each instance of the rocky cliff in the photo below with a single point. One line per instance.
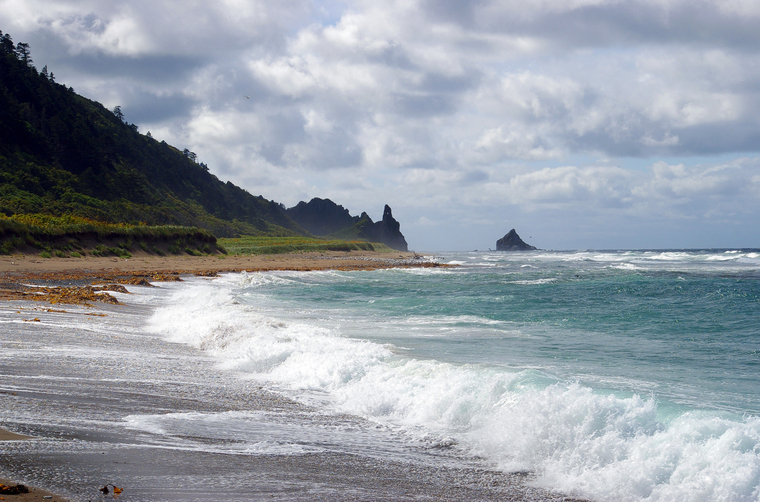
(387, 231)
(323, 217)
(513, 242)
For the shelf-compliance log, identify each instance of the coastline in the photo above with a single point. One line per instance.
(15, 269)
(33, 493)
(387, 479)
(18, 272)
(25, 265)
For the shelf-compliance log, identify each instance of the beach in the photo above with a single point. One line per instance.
(76, 370)
(10, 490)
(18, 271)
(20, 265)
(539, 376)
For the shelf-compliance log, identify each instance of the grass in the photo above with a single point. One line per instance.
(46, 225)
(63, 236)
(250, 245)
(74, 236)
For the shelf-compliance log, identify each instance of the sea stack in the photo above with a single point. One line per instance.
(513, 242)
(387, 231)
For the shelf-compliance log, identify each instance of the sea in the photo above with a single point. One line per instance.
(603, 375)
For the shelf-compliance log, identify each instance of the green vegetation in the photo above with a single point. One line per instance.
(61, 153)
(74, 236)
(279, 245)
(76, 179)
(355, 230)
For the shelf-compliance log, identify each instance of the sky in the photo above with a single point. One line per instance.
(582, 124)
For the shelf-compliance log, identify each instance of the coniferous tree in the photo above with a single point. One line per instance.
(118, 113)
(61, 153)
(7, 43)
(24, 53)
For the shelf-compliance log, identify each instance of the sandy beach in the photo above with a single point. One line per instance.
(17, 269)
(115, 455)
(9, 490)
(21, 265)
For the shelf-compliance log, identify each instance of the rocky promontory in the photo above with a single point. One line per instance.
(387, 231)
(513, 242)
(323, 217)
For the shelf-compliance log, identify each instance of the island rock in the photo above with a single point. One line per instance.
(513, 242)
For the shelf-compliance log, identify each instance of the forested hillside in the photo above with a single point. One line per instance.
(61, 153)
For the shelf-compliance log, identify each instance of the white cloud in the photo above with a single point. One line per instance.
(667, 140)
(431, 104)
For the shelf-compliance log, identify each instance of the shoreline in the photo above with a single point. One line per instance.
(33, 493)
(70, 280)
(18, 269)
(24, 265)
(277, 475)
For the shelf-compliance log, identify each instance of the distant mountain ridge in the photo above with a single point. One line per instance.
(61, 153)
(324, 217)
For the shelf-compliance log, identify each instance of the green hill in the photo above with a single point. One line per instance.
(68, 162)
(63, 154)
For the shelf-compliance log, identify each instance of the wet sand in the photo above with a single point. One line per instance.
(5, 484)
(201, 475)
(22, 265)
(70, 280)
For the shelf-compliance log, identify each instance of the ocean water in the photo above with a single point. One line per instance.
(608, 375)
(612, 375)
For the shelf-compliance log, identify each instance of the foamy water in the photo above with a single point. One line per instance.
(610, 375)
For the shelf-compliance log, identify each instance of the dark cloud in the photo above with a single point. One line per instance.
(286, 127)
(606, 24)
(713, 139)
(643, 139)
(462, 12)
(453, 84)
(476, 176)
(392, 56)
(273, 153)
(423, 105)
(429, 102)
(343, 152)
(143, 107)
(157, 69)
(628, 23)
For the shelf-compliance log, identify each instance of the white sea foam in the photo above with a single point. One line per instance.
(625, 266)
(419, 271)
(531, 282)
(241, 432)
(598, 445)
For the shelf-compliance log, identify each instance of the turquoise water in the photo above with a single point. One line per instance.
(615, 375)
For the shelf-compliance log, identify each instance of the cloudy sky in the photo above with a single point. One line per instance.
(580, 123)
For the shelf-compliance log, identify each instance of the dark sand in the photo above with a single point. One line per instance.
(174, 475)
(33, 493)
